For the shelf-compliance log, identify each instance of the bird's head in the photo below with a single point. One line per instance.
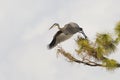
(81, 31)
(54, 25)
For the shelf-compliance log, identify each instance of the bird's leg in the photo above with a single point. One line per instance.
(58, 49)
(55, 24)
(51, 27)
(59, 46)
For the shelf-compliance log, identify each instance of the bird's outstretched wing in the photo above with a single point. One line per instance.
(53, 42)
(58, 38)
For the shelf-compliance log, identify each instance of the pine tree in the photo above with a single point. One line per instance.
(96, 53)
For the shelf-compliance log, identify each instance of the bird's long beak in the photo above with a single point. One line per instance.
(83, 34)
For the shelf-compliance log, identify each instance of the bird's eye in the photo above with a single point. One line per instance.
(80, 29)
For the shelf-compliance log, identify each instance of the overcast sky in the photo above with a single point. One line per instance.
(24, 37)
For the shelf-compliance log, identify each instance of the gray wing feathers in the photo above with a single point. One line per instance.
(58, 38)
(53, 42)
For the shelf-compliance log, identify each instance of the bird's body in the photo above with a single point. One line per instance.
(65, 33)
(70, 28)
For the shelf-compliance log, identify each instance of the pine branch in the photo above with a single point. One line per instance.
(73, 59)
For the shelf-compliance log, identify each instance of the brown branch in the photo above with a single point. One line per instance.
(86, 63)
(73, 59)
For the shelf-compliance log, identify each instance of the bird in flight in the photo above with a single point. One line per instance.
(65, 33)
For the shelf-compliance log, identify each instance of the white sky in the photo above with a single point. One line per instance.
(24, 38)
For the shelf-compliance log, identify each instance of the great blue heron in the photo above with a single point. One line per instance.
(65, 33)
